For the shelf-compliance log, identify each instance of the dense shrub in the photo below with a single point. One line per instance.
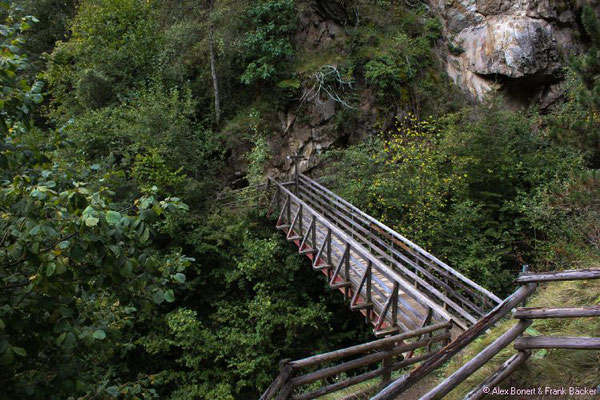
(461, 186)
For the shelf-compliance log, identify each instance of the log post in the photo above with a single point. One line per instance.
(386, 364)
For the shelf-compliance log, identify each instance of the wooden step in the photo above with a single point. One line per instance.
(322, 267)
(282, 227)
(295, 237)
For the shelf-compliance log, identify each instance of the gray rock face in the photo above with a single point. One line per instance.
(497, 40)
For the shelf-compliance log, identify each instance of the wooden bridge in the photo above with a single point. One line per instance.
(426, 310)
(396, 284)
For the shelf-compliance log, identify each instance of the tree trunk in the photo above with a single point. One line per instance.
(213, 69)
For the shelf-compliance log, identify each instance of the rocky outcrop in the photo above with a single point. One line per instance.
(308, 127)
(497, 44)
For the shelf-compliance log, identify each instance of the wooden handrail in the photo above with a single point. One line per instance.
(361, 348)
(380, 350)
(477, 362)
(499, 375)
(557, 342)
(569, 275)
(433, 291)
(539, 312)
(521, 343)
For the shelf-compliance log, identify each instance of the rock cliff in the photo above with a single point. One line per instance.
(519, 47)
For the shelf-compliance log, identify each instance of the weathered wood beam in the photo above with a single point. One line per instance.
(570, 275)
(365, 347)
(363, 361)
(464, 339)
(285, 370)
(476, 362)
(499, 375)
(557, 342)
(539, 312)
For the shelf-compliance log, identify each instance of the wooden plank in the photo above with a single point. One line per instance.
(363, 361)
(464, 339)
(477, 362)
(539, 312)
(569, 275)
(557, 342)
(499, 375)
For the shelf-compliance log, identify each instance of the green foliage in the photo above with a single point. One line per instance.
(17, 97)
(77, 271)
(112, 48)
(216, 345)
(268, 45)
(160, 124)
(152, 168)
(462, 186)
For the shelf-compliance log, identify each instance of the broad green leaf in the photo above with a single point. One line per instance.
(77, 253)
(99, 334)
(50, 268)
(7, 357)
(159, 297)
(113, 217)
(64, 244)
(169, 296)
(112, 391)
(179, 277)
(61, 338)
(145, 235)
(19, 351)
(36, 230)
(91, 221)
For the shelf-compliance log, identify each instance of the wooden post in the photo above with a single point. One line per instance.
(386, 364)
(296, 158)
(395, 289)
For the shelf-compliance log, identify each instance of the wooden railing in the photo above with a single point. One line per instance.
(465, 300)
(523, 344)
(374, 359)
(387, 299)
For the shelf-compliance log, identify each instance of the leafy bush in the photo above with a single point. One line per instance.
(113, 44)
(78, 272)
(268, 44)
(462, 186)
